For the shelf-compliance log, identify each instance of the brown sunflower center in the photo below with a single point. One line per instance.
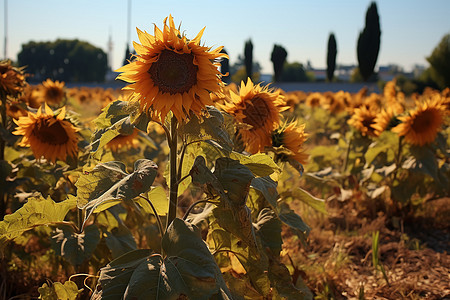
(423, 121)
(53, 93)
(54, 134)
(174, 73)
(257, 112)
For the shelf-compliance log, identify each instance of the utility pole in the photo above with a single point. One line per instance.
(6, 29)
(129, 23)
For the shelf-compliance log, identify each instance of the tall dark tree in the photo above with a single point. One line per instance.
(369, 42)
(66, 60)
(331, 56)
(278, 59)
(225, 67)
(128, 55)
(440, 62)
(248, 58)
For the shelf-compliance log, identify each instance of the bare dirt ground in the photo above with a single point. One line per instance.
(337, 261)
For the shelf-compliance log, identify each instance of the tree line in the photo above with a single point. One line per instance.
(79, 61)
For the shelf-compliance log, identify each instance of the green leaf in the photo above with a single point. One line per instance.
(120, 240)
(294, 221)
(302, 195)
(235, 179)
(281, 280)
(36, 212)
(268, 228)
(76, 247)
(210, 127)
(260, 164)
(189, 270)
(201, 175)
(108, 183)
(268, 188)
(158, 197)
(59, 291)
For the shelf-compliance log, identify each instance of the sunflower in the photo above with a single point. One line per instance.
(12, 80)
(257, 111)
(384, 120)
(173, 73)
(422, 125)
(314, 99)
(53, 91)
(287, 140)
(48, 135)
(363, 119)
(16, 109)
(123, 141)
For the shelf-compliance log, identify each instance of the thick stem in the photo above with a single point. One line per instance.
(173, 196)
(398, 156)
(4, 125)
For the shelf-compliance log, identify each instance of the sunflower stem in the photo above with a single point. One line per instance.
(173, 196)
(398, 157)
(347, 153)
(4, 125)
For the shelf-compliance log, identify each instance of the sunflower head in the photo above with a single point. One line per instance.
(47, 134)
(422, 124)
(363, 120)
(384, 120)
(257, 111)
(173, 73)
(314, 99)
(12, 79)
(287, 140)
(53, 91)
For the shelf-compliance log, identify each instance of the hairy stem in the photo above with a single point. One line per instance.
(158, 219)
(173, 196)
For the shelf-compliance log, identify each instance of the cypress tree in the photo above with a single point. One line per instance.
(331, 56)
(278, 59)
(369, 42)
(225, 67)
(248, 58)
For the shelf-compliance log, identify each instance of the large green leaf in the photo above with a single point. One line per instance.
(260, 164)
(36, 212)
(235, 179)
(188, 271)
(120, 240)
(108, 183)
(76, 247)
(158, 197)
(210, 126)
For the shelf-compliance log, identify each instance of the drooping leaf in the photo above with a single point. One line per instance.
(58, 291)
(188, 271)
(294, 221)
(36, 212)
(202, 175)
(302, 195)
(108, 183)
(281, 280)
(268, 188)
(75, 247)
(260, 164)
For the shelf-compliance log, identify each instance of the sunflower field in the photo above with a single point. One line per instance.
(179, 186)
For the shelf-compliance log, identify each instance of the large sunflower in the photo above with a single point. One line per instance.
(257, 111)
(48, 135)
(288, 141)
(422, 125)
(12, 79)
(53, 91)
(363, 119)
(173, 73)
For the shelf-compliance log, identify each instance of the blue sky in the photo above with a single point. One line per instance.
(410, 28)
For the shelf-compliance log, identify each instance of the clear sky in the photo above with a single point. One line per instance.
(411, 29)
